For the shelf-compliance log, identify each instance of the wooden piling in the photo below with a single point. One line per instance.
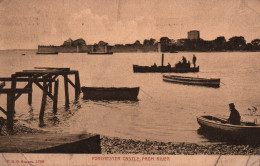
(66, 89)
(55, 101)
(30, 93)
(77, 85)
(11, 104)
(44, 96)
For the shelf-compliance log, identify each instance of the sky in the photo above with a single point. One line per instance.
(25, 24)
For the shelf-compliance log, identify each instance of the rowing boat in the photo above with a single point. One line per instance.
(210, 82)
(245, 129)
(110, 93)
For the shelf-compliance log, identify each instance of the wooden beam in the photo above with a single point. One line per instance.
(19, 94)
(26, 79)
(66, 89)
(77, 84)
(18, 90)
(3, 110)
(71, 83)
(55, 101)
(44, 97)
(2, 84)
(53, 68)
(42, 88)
(30, 93)
(11, 104)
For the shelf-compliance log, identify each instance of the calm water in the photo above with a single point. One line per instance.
(164, 112)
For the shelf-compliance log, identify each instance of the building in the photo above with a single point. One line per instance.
(194, 35)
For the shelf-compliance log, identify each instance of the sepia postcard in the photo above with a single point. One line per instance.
(130, 82)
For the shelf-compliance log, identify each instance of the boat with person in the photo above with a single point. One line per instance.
(110, 93)
(178, 68)
(209, 82)
(220, 126)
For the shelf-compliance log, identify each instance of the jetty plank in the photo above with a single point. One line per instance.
(53, 68)
(51, 143)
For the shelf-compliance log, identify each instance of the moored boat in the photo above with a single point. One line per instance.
(110, 93)
(219, 125)
(47, 53)
(99, 53)
(210, 82)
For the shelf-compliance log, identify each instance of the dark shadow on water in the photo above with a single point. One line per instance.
(230, 139)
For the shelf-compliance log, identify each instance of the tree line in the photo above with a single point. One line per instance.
(236, 43)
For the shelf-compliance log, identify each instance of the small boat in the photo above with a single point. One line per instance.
(210, 82)
(23, 54)
(47, 53)
(220, 125)
(110, 93)
(51, 143)
(99, 53)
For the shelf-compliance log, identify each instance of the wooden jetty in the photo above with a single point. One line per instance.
(44, 78)
(51, 143)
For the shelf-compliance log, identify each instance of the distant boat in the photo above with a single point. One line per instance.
(219, 125)
(178, 68)
(100, 53)
(210, 82)
(47, 53)
(23, 54)
(110, 93)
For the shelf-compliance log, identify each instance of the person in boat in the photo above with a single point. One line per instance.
(184, 60)
(188, 64)
(234, 117)
(169, 65)
(154, 65)
(194, 60)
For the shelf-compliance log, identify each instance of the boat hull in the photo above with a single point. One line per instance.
(219, 125)
(100, 53)
(47, 53)
(96, 93)
(162, 69)
(215, 83)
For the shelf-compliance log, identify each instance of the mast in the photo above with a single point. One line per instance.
(162, 58)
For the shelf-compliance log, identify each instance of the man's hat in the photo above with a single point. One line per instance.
(231, 105)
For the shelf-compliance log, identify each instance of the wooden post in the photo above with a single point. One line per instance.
(66, 89)
(77, 85)
(162, 58)
(55, 101)
(44, 96)
(30, 93)
(10, 113)
(11, 104)
(50, 87)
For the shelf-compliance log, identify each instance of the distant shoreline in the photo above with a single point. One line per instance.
(139, 52)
